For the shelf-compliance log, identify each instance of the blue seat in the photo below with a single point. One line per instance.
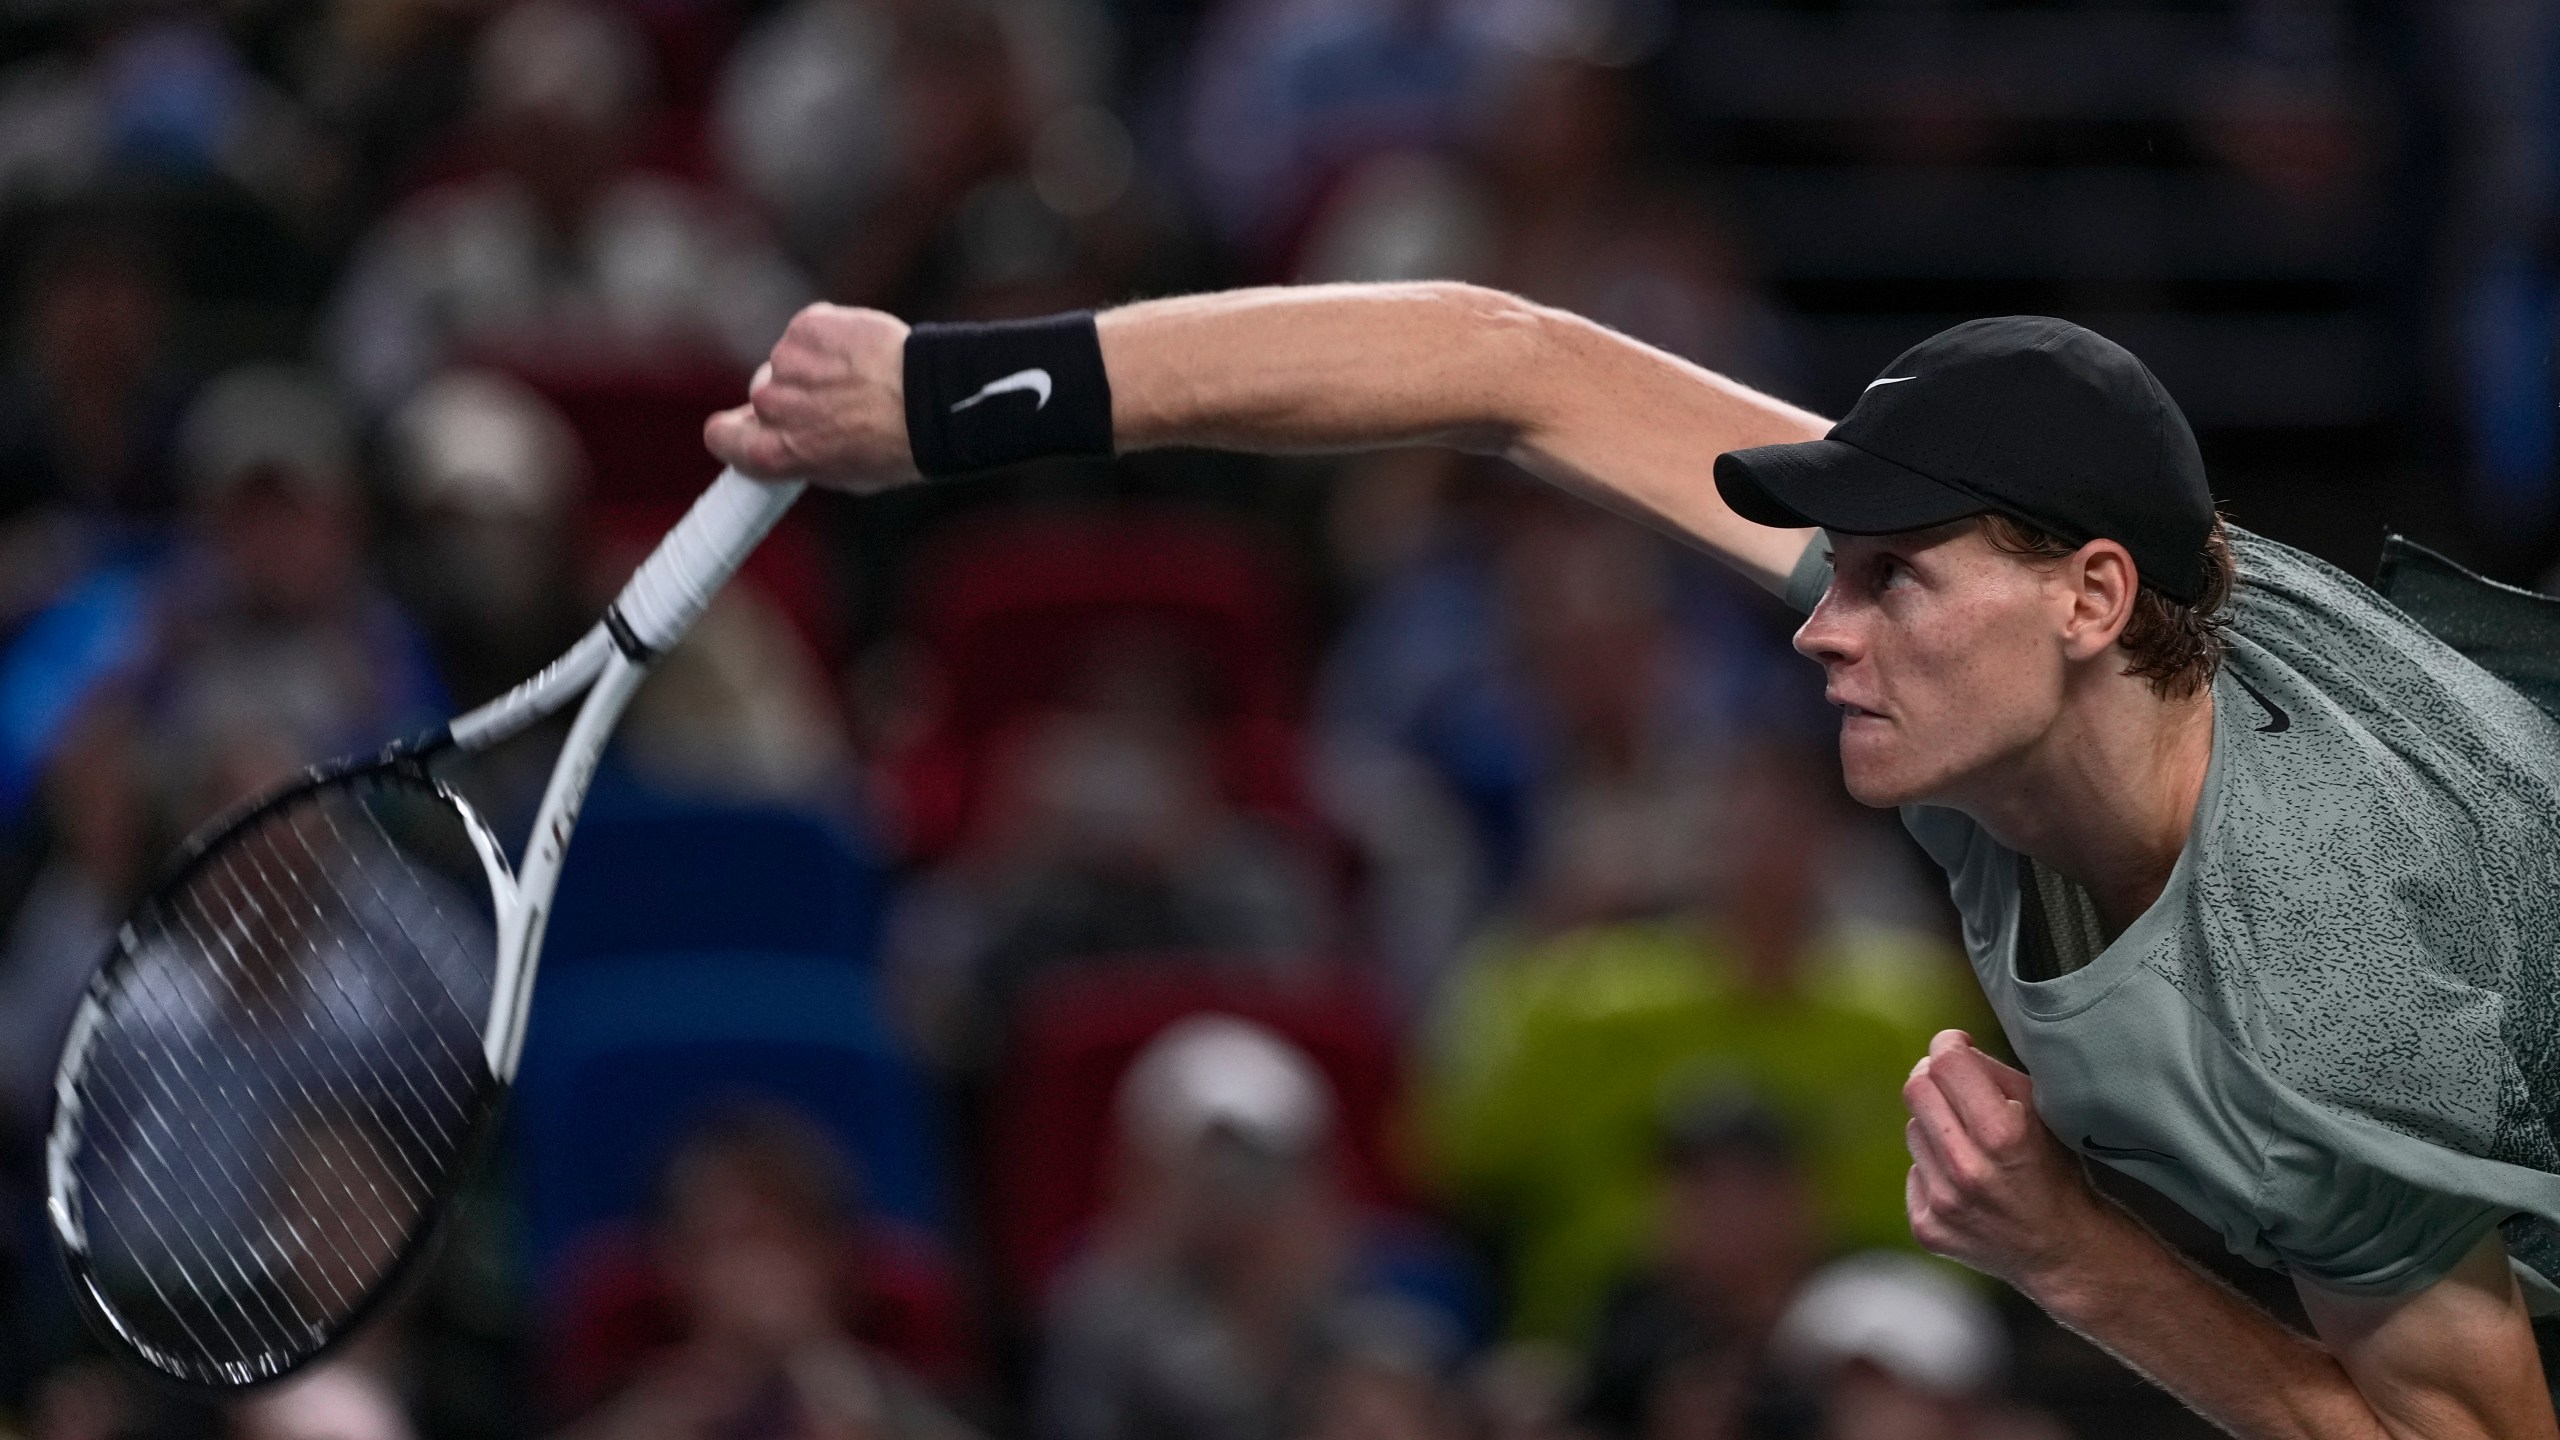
(620, 1057)
(648, 876)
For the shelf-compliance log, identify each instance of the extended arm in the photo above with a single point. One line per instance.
(1328, 368)
(1992, 1188)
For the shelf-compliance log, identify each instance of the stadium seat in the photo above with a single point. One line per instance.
(620, 1057)
(649, 876)
(1081, 1028)
(1010, 609)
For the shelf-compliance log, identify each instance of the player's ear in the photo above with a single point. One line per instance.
(2103, 584)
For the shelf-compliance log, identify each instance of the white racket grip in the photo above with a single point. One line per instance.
(669, 590)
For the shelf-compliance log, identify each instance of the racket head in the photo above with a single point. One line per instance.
(277, 1076)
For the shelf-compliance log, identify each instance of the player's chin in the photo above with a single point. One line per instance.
(1875, 766)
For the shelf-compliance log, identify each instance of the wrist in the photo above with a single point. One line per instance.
(980, 396)
(2083, 1274)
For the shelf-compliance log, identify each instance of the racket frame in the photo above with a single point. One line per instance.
(661, 601)
(61, 1183)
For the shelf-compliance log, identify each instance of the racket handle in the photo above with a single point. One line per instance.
(669, 590)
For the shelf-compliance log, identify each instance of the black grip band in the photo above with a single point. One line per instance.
(983, 395)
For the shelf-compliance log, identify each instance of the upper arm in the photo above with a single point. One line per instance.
(1640, 430)
(2454, 1359)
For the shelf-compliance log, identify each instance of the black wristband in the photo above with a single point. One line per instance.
(983, 395)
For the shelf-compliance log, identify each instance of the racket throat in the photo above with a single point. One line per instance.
(511, 997)
(545, 851)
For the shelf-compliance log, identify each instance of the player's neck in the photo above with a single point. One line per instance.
(2108, 795)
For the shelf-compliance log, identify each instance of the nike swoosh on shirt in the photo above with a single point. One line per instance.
(1889, 380)
(2122, 1152)
(1034, 381)
(2278, 722)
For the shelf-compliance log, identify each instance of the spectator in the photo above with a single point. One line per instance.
(1104, 835)
(90, 415)
(1681, 1344)
(752, 1314)
(387, 81)
(1901, 1348)
(180, 688)
(564, 256)
(931, 156)
(274, 647)
(486, 476)
(1286, 95)
(156, 94)
(1565, 683)
(1222, 1299)
(1578, 225)
(1554, 1056)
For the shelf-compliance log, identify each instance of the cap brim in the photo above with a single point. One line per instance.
(1837, 486)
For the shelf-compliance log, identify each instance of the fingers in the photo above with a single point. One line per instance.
(1964, 1078)
(741, 439)
(2009, 1079)
(1939, 1137)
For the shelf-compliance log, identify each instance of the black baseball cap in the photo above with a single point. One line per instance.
(2033, 417)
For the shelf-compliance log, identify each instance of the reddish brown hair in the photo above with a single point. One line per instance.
(2174, 644)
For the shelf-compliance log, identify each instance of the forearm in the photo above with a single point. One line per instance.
(1360, 366)
(1321, 367)
(2194, 1337)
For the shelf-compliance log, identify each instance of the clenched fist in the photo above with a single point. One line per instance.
(1990, 1187)
(828, 407)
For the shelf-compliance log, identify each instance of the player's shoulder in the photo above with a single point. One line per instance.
(2273, 582)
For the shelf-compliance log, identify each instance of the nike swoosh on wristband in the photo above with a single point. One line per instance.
(1033, 381)
(1889, 380)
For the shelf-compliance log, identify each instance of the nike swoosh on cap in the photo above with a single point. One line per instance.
(1034, 381)
(1889, 380)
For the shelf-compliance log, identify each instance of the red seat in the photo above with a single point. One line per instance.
(1079, 1030)
(1009, 611)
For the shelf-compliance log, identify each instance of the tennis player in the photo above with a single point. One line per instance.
(2261, 878)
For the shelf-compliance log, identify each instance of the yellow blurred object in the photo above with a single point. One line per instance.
(1541, 1106)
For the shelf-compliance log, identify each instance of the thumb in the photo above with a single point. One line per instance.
(740, 438)
(2013, 1082)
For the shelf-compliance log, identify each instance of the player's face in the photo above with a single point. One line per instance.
(1944, 656)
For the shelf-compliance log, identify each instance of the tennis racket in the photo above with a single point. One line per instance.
(298, 1041)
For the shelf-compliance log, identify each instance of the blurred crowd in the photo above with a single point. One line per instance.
(1190, 946)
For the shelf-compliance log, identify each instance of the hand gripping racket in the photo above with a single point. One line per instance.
(297, 1042)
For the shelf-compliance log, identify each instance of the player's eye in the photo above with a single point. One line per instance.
(1893, 573)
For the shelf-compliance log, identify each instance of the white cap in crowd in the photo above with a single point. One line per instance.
(1215, 1075)
(279, 421)
(478, 442)
(1909, 1317)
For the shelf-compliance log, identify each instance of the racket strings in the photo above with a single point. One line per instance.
(285, 1076)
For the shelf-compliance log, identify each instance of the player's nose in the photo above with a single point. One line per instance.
(1826, 639)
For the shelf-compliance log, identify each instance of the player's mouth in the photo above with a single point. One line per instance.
(1850, 710)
